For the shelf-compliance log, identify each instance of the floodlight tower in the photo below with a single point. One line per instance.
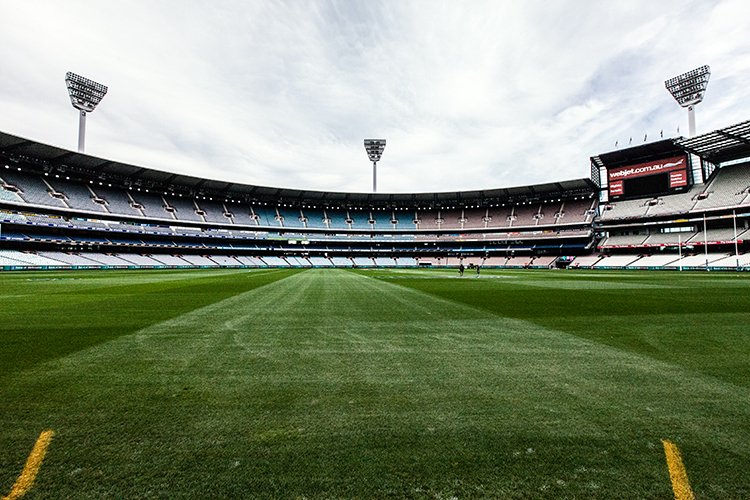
(85, 95)
(374, 148)
(688, 89)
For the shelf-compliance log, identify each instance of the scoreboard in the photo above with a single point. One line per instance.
(648, 179)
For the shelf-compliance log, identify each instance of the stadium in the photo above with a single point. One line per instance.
(68, 210)
(175, 336)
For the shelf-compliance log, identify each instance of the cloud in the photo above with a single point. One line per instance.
(469, 95)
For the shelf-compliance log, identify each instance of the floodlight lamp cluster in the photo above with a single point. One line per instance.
(85, 94)
(688, 88)
(374, 148)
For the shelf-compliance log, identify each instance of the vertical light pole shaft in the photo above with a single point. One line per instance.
(691, 121)
(374, 177)
(81, 131)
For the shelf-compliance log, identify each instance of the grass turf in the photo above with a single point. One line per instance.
(402, 383)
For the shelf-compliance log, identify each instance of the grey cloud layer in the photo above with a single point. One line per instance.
(469, 94)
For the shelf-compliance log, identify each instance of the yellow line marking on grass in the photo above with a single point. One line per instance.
(26, 480)
(680, 483)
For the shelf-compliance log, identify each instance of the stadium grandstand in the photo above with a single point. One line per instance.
(61, 209)
(681, 203)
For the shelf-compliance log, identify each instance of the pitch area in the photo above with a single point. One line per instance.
(375, 383)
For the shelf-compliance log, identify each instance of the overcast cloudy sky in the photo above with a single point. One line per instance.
(469, 94)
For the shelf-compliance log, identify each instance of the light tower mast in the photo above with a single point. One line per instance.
(688, 89)
(374, 148)
(85, 95)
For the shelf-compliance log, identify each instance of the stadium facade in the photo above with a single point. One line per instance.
(680, 203)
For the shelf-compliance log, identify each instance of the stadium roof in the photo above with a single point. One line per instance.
(726, 144)
(49, 158)
(637, 154)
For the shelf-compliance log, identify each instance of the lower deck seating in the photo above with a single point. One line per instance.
(406, 262)
(524, 261)
(732, 261)
(107, 260)
(139, 260)
(649, 261)
(298, 261)
(698, 260)
(363, 262)
(170, 260)
(658, 260)
(585, 261)
(341, 261)
(543, 262)
(320, 261)
(384, 262)
(616, 261)
(70, 259)
(200, 260)
(495, 261)
(18, 258)
(226, 261)
(274, 261)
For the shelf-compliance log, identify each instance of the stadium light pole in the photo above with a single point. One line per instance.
(688, 90)
(374, 148)
(85, 95)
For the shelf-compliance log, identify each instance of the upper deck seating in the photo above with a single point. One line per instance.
(32, 188)
(118, 201)
(471, 218)
(290, 217)
(77, 195)
(729, 187)
(184, 208)
(360, 219)
(213, 211)
(337, 218)
(266, 216)
(151, 205)
(428, 219)
(383, 220)
(526, 215)
(315, 218)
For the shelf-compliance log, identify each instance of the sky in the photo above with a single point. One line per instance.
(469, 94)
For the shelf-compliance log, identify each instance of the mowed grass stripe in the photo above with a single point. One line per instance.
(332, 384)
(707, 349)
(61, 313)
(684, 319)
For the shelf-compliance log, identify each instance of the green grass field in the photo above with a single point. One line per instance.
(375, 383)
